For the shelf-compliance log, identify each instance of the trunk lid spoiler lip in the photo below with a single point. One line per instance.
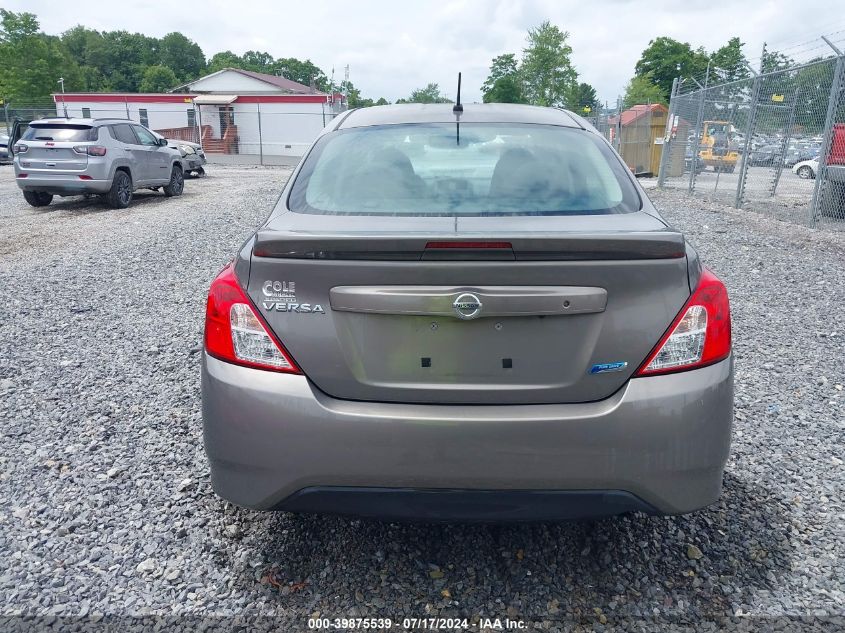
(665, 244)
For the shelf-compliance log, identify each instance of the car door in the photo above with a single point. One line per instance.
(158, 156)
(134, 151)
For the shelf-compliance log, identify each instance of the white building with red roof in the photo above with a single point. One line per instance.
(231, 112)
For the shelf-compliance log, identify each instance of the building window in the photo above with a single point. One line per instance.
(145, 121)
(86, 113)
(192, 118)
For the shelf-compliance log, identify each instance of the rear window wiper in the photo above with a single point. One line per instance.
(44, 138)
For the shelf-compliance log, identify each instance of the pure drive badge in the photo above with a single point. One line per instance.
(281, 297)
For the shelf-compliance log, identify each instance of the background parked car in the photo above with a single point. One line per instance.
(193, 156)
(766, 155)
(4, 149)
(108, 157)
(807, 168)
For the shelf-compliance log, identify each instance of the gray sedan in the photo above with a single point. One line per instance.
(472, 315)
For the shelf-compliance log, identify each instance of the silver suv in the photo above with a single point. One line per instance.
(107, 157)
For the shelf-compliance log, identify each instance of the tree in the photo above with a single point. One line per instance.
(158, 79)
(301, 72)
(181, 55)
(126, 57)
(665, 59)
(582, 99)
(775, 60)
(31, 62)
(258, 61)
(382, 101)
(88, 48)
(504, 83)
(641, 89)
(546, 68)
(429, 94)
(729, 63)
(225, 59)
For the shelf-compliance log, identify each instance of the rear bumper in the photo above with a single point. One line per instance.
(68, 184)
(276, 442)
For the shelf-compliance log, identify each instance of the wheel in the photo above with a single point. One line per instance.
(120, 194)
(805, 171)
(201, 172)
(176, 184)
(730, 169)
(38, 198)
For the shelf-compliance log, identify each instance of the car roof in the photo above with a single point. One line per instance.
(442, 113)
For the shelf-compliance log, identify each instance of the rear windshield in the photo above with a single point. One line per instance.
(479, 169)
(69, 133)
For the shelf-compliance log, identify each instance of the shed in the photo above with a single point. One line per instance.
(642, 128)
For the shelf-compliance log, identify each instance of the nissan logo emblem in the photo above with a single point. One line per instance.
(467, 306)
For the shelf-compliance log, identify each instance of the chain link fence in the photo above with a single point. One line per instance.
(772, 143)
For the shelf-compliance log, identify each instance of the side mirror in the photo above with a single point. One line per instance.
(162, 142)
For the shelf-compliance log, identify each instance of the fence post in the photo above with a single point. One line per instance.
(667, 139)
(833, 100)
(785, 143)
(6, 115)
(699, 120)
(752, 124)
(260, 137)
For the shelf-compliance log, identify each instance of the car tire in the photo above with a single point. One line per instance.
(805, 171)
(38, 198)
(120, 194)
(176, 184)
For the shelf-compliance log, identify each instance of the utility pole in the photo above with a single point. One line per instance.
(64, 104)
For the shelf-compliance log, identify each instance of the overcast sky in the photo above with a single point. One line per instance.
(394, 46)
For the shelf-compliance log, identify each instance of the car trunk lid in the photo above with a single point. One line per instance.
(470, 309)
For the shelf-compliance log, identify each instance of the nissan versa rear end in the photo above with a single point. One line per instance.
(471, 315)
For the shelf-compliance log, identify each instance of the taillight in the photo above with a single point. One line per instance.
(700, 335)
(91, 150)
(21, 148)
(22, 175)
(234, 331)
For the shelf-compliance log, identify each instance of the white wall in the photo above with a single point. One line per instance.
(160, 115)
(287, 129)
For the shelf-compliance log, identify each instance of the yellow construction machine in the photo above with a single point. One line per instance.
(717, 150)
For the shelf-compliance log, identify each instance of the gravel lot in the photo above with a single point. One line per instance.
(107, 507)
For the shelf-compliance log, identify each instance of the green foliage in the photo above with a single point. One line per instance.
(429, 94)
(225, 59)
(640, 90)
(546, 68)
(158, 79)
(775, 60)
(729, 63)
(582, 99)
(665, 59)
(182, 56)
(93, 61)
(504, 83)
(30, 62)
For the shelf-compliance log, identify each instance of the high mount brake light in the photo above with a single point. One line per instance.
(236, 333)
(468, 245)
(700, 335)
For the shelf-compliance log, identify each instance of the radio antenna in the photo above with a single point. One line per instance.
(458, 107)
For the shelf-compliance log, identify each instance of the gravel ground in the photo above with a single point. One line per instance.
(106, 507)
